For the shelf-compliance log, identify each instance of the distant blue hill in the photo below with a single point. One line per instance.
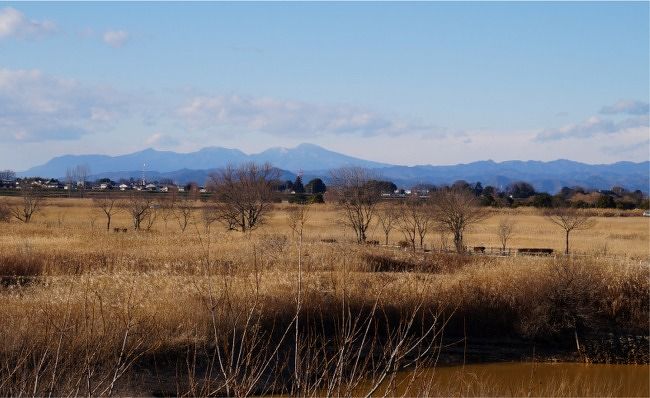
(302, 157)
(316, 161)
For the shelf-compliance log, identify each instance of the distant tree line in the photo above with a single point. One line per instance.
(521, 193)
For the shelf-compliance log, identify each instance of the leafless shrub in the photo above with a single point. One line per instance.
(297, 216)
(505, 230)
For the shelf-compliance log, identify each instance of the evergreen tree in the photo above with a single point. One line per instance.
(297, 185)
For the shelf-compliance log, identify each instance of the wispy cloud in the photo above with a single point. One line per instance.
(637, 116)
(116, 38)
(641, 146)
(292, 118)
(592, 127)
(161, 140)
(14, 23)
(36, 107)
(627, 107)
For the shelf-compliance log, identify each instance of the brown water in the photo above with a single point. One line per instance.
(520, 379)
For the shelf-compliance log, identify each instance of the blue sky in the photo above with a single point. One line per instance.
(407, 83)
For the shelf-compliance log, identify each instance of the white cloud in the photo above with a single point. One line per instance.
(14, 23)
(116, 38)
(233, 113)
(628, 107)
(591, 127)
(35, 107)
(626, 149)
(161, 140)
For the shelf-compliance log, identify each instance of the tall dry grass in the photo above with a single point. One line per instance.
(205, 312)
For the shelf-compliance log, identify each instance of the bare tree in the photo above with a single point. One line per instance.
(139, 205)
(388, 217)
(414, 220)
(167, 206)
(7, 175)
(75, 178)
(353, 190)
(184, 210)
(505, 230)
(31, 202)
(569, 219)
(109, 205)
(455, 210)
(406, 224)
(244, 194)
(151, 216)
(70, 180)
(423, 220)
(82, 172)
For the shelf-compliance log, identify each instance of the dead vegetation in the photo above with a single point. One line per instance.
(216, 312)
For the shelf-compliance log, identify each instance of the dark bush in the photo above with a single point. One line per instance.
(298, 198)
(318, 198)
(605, 202)
(431, 263)
(580, 204)
(625, 205)
(543, 200)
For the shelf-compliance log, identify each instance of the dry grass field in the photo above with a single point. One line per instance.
(209, 312)
(625, 236)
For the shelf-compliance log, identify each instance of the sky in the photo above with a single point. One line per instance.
(402, 83)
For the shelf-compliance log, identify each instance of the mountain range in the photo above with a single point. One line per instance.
(315, 161)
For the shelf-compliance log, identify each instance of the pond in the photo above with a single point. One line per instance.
(521, 379)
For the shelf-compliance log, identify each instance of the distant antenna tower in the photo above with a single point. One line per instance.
(144, 166)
